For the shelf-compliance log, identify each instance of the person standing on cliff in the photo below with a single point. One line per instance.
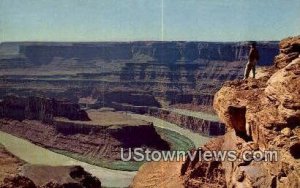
(252, 61)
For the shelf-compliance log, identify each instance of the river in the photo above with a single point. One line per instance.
(34, 154)
(196, 138)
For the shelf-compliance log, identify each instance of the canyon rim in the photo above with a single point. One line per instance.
(139, 93)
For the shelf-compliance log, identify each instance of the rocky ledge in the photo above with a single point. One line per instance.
(260, 115)
(35, 176)
(17, 173)
(264, 114)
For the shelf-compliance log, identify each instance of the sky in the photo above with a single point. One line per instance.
(140, 20)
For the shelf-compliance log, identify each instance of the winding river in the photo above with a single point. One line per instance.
(34, 154)
(197, 139)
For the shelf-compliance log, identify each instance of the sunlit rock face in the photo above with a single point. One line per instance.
(260, 115)
(264, 114)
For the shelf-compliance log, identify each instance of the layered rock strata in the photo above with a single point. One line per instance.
(38, 108)
(176, 72)
(262, 116)
(71, 129)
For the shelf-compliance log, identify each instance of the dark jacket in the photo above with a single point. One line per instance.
(253, 55)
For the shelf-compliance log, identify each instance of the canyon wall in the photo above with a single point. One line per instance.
(199, 125)
(39, 108)
(196, 124)
(173, 72)
(64, 126)
(261, 115)
(161, 52)
(130, 76)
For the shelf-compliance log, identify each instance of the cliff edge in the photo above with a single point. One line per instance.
(261, 115)
(264, 114)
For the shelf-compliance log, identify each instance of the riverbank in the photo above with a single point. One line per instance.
(34, 154)
(183, 139)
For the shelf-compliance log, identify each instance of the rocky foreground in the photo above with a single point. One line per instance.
(264, 114)
(260, 114)
(17, 173)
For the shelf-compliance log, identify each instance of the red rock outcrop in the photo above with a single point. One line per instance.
(289, 50)
(17, 181)
(263, 115)
(15, 173)
(60, 176)
(159, 174)
(9, 164)
(197, 173)
(183, 173)
(51, 177)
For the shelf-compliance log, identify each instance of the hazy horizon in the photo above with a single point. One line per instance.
(129, 41)
(143, 20)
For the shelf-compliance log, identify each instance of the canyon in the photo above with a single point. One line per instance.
(141, 77)
(261, 115)
(88, 100)
(172, 72)
(64, 126)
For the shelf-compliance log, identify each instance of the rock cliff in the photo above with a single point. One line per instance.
(173, 72)
(39, 108)
(196, 124)
(63, 126)
(264, 114)
(261, 115)
(161, 52)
